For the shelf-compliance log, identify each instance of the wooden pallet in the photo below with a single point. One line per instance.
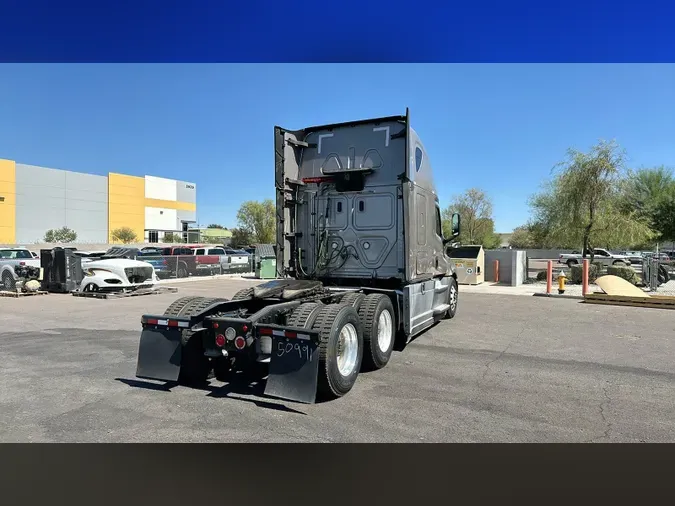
(16, 295)
(122, 295)
(651, 301)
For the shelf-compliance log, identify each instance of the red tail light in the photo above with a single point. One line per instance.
(220, 340)
(244, 328)
(240, 342)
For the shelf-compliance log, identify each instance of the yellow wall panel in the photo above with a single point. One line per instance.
(126, 205)
(171, 204)
(8, 203)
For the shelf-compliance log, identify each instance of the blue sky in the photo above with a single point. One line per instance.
(499, 127)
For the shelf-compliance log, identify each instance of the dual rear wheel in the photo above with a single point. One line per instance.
(354, 335)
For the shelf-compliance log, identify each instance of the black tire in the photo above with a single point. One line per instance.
(664, 275)
(244, 293)
(374, 305)
(91, 288)
(452, 311)
(195, 367)
(181, 271)
(571, 262)
(330, 322)
(619, 263)
(304, 315)
(354, 299)
(177, 306)
(8, 281)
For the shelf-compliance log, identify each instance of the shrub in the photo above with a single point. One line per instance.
(627, 273)
(541, 276)
(124, 234)
(576, 272)
(63, 234)
(170, 237)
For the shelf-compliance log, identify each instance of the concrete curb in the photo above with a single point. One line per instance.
(559, 296)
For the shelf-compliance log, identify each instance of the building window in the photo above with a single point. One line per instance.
(153, 236)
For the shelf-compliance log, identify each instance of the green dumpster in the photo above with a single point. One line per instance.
(265, 261)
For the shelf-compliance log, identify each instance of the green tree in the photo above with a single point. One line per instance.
(663, 215)
(583, 203)
(475, 209)
(241, 237)
(649, 192)
(521, 238)
(258, 220)
(215, 225)
(60, 235)
(125, 235)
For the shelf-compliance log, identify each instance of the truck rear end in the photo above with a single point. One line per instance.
(361, 250)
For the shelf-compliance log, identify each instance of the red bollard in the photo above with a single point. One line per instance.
(496, 268)
(584, 277)
(549, 275)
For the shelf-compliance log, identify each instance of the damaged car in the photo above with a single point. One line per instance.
(113, 274)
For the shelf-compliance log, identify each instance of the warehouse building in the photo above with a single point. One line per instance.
(36, 199)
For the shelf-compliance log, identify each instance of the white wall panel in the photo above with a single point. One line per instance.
(160, 219)
(160, 188)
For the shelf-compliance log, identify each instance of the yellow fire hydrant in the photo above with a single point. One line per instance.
(561, 282)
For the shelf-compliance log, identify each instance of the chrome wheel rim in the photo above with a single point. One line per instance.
(453, 298)
(384, 330)
(348, 350)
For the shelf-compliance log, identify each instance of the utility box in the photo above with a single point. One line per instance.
(469, 263)
(265, 261)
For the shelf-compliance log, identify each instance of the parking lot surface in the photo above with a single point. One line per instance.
(506, 369)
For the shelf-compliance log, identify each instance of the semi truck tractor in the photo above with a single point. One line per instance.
(362, 267)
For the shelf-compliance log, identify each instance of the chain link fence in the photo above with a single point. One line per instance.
(655, 274)
(185, 266)
(658, 274)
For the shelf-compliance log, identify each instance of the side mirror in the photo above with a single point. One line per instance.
(455, 224)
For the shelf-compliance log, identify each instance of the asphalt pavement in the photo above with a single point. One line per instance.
(505, 369)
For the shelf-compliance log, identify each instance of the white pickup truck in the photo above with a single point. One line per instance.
(11, 258)
(600, 255)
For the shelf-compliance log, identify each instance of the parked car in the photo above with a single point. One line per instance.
(11, 258)
(208, 260)
(184, 265)
(116, 274)
(663, 257)
(600, 255)
(635, 257)
(239, 260)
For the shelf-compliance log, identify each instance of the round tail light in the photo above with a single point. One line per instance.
(240, 342)
(220, 340)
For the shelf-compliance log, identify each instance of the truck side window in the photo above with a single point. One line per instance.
(418, 159)
(439, 228)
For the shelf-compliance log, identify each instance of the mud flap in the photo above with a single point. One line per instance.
(294, 366)
(159, 354)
